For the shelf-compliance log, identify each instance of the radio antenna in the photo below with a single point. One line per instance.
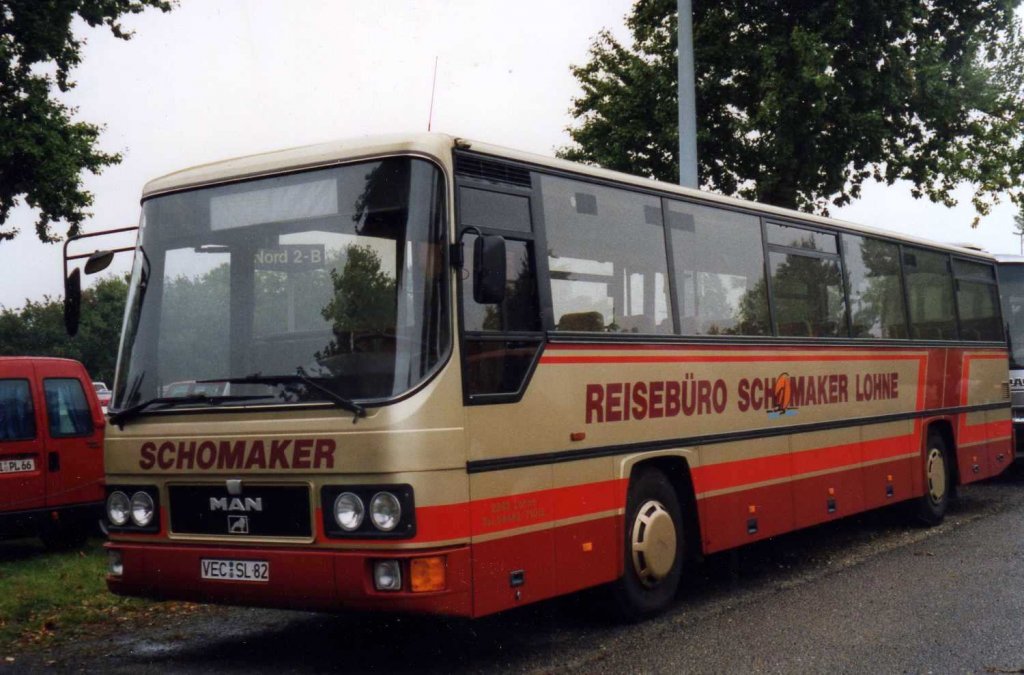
(433, 88)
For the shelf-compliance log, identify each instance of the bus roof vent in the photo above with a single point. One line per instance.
(495, 172)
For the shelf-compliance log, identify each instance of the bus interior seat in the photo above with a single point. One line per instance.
(591, 322)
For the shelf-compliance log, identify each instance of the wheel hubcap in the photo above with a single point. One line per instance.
(936, 472)
(654, 543)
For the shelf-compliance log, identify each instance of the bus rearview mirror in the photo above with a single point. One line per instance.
(72, 301)
(489, 275)
(98, 261)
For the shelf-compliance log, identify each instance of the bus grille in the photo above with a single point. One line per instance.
(495, 172)
(254, 510)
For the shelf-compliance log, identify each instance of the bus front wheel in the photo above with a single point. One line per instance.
(654, 547)
(937, 481)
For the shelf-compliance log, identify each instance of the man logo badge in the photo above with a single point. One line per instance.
(238, 524)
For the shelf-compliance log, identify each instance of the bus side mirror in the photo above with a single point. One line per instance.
(72, 301)
(489, 276)
(98, 261)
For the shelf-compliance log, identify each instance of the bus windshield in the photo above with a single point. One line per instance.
(1011, 293)
(310, 286)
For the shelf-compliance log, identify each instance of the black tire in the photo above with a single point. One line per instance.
(938, 481)
(653, 517)
(64, 536)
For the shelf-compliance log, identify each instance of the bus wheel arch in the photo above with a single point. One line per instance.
(944, 428)
(940, 473)
(659, 529)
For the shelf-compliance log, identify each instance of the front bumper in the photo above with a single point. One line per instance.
(305, 579)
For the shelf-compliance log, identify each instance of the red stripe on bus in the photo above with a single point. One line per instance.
(976, 433)
(785, 358)
(544, 506)
(737, 474)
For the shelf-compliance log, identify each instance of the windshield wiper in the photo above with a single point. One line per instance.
(300, 377)
(121, 416)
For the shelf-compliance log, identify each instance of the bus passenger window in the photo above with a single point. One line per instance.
(807, 282)
(719, 268)
(978, 300)
(877, 306)
(930, 291)
(606, 257)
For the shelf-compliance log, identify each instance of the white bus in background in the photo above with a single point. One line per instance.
(1011, 293)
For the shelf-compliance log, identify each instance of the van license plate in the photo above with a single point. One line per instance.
(17, 465)
(235, 570)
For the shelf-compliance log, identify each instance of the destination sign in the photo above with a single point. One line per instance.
(291, 257)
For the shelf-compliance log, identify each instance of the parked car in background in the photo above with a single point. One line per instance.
(51, 450)
(102, 393)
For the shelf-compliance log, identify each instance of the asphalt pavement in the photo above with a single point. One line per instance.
(866, 594)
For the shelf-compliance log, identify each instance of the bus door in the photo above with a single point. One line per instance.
(74, 436)
(22, 463)
(501, 343)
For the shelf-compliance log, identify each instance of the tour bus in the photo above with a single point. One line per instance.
(465, 378)
(1011, 292)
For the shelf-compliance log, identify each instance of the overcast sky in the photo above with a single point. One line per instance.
(221, 78)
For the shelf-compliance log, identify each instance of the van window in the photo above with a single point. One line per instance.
(67, 408)
(17, 419)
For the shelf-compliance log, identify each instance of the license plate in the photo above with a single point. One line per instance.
(17, 465)
(235, 570)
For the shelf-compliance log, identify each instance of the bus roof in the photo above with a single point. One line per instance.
(440, 146)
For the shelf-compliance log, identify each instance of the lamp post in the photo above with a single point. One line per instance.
(687, 99)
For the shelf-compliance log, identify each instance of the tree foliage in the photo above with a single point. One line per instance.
(363, 300)
(37, 329)
(43, 151)
(799, 102)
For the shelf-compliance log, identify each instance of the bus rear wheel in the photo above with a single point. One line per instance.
(933, 503)
(654, 548)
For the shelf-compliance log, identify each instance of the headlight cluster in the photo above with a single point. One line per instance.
(132, 508)
(369, 511)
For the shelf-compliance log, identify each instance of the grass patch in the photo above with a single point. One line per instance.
(45, 595)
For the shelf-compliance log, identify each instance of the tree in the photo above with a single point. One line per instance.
(37, 329)
(43, 151)
(1018, 224)
(799, 102)
(363, 300)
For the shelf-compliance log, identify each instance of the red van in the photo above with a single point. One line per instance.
(51, 450)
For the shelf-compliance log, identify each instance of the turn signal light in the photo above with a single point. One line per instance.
(427, 574)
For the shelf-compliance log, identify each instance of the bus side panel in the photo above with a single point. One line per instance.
(972, 447)
(738, 518)
(588, 534)
(513, 542)
(891, 453)
(1000, 439)
(827, 476)
(744, 492)
(977, 440)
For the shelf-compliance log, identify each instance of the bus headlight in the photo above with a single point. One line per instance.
(385, 511)
(118, 508)
(381, 511)
(387, 575)
(142, 508)
(348, 511)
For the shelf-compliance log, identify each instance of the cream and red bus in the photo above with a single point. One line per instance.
(1011, 293)
(442, 376)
